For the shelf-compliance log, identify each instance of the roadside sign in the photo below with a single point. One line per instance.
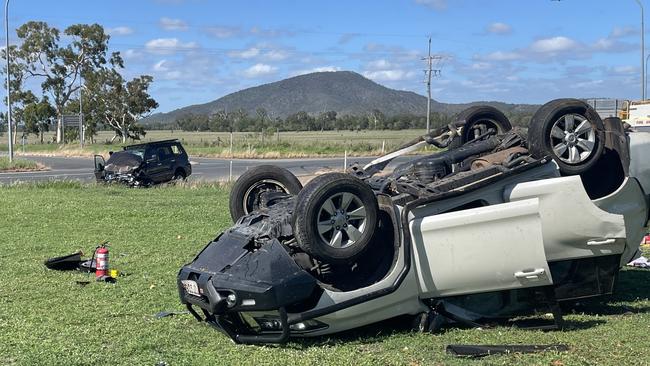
(72, 120)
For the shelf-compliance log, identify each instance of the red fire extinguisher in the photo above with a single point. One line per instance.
(101, 261)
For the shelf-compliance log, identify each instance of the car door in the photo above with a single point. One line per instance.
(573, 225)
(153, 166)
(167, 163)
(491, 248)
(100, 164)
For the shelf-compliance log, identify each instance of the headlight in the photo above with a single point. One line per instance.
(231, 300)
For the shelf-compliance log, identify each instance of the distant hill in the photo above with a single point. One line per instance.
(345, 92)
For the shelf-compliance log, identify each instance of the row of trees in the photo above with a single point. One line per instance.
(241, 121)
(82, 65)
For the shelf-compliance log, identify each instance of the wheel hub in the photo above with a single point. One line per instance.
(571, 139)
(340, 219)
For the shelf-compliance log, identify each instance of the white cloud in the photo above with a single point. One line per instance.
(389, 75)
(168, 45)
(173, 24)
(245, 54)
(270, 33)
(502, 56)
(119, 31)
(264, 52)
(554, 45)
(166, 70)
(626, 70)
(258, 70)
(618, 32)
(499, 28)
(380, 64)
(160, 66)
(433, 4)
(276, 55)
(222, 32)
(131, 54)
(481, 66)
(316, 69)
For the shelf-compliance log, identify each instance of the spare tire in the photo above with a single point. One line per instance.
(246, 193)
(477, 121)
(335, 218)
(569, 131)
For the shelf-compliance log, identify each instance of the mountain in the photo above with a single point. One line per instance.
(345, 92)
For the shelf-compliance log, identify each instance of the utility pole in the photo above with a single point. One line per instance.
(10, 127)
(643, 96)
(430, 71)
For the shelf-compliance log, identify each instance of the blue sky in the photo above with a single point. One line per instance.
(507, 50)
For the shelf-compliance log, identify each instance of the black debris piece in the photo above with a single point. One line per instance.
(473, 351)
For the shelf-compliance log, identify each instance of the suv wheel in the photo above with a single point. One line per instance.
(335, 218)
(569, 131)
(246, 193)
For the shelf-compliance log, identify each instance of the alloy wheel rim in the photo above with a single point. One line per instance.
(341, 220)
(573, 138)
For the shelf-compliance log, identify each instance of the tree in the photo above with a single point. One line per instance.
(38, 117)
(60, 67)
(326, 120)
(220, 122)
(19, 96)
(120, 103)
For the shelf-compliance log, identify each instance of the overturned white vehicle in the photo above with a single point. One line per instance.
(500, 224)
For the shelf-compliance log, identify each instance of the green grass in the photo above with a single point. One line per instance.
(48, 319)
(18, 164)
(248, 145)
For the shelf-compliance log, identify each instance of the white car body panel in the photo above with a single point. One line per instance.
(490, 248)
(627, 201)
(639, 156)
(572, 225)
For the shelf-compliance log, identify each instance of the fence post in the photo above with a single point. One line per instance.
(383, 146)
(345, 160)
(230, 172)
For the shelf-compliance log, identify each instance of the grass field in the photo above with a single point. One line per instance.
(246, 144)
(46, 318)
(19, 165)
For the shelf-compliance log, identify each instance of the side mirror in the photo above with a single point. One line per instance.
(110, 153)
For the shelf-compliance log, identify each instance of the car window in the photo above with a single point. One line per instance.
(176, 150)
(164, 152)
(139, 151)
(151, 153)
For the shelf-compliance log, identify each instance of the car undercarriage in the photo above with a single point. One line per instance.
(504, 222)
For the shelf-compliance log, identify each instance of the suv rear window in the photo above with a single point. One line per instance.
(176, 150)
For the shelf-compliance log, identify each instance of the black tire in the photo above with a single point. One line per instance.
(244, 197)
(556, 124)
(352, 218)
(480, 115)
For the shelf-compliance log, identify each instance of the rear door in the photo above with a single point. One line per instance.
(100, 164)
(153, 167)
(491, 248)
(167, 162)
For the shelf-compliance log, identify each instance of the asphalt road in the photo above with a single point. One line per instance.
(205, 169)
